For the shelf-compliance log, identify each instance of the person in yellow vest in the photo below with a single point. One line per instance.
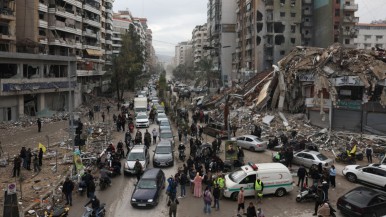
(259, 187)
(220, 181)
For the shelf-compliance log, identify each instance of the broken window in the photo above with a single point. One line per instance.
(259, 27)
(279, 39)
(282, 14)
(258, 40)
(259, 16)
(282, 52)
(347, 41)
(279, 27)
(282, 2)
(293, 28)
(8, 70)
(293, 40)
(293, 14)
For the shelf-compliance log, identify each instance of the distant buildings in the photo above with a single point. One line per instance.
(184, 54)
(199, 41)
(371, 36)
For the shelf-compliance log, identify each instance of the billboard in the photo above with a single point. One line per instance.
(230, 150)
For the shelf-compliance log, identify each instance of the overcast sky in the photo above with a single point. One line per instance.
(172, 21)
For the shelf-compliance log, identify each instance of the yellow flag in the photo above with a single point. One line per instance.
(353, 150)
(41, 146)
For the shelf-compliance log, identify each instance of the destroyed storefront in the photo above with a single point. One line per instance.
(341, 88)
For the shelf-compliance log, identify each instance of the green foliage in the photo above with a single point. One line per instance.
(183, 72)
(205, 65)
(128, 64)
(162, 85)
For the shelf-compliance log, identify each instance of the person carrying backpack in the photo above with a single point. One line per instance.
(172, 204)
(207, 200)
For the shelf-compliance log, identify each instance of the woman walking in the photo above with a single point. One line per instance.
(198, 185)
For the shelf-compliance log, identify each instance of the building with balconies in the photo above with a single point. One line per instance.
(199, 40)
(370, 35)
(184, 54)
(8, 26)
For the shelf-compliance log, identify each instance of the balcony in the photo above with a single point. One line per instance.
(77, 3)
(61, 42)
(7, 14)
(7, 37)
(109, 10)
(350, 7)
(307, 24)
(90, 33)
(93, 47)
(109, 1)
(116, 38)
(108, 20)
(92, 22)
(43, 7)
(61, 26)
(43, 40)
(78, 45)
(92, 8)
(37, 85)
(109, 41)
(115, 52)
(350, 19)
(119, 45)
(307, 12)
(269, 7)
(43, 24)
(109, 52)
(89, 73)
(62, 13)
(103, 19)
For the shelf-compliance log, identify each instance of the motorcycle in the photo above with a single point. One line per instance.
(90, 211)
(104, 183)
(306, 194)
(344, 158)
(181, 155)
(82, 187)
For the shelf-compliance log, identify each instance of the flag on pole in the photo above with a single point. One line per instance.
(41, 146)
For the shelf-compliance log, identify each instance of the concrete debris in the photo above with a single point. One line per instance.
(267, 119)
(285, 122)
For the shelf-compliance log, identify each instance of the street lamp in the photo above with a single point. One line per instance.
(227, 113)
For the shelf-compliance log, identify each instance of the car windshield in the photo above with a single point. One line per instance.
(257, 139)
(140, 110)
(163, 150)
(166, 135)
(134, 156)
(147, 184)
(358, 197)
(164, 123)
(237, 176)
(141, 117)
(161, 115)
(321, 157)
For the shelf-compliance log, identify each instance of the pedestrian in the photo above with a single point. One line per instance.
(240, 155)
(185, 136)
(216, 197)
(108, 109)
(324, 210)
(172, 204)
(259, 187)
(319, 199)
(302, 173)
(200, 131)
(183, 181)
(332, 176)
(103, 116)
(172, 187)
(369, 154)
(197, 185)
(251, 210)
(36, 163)
(207, 200)
(234, 129)
(40, 157)
(68, 187)
(155, 135)
(240, 202)
(16, 166)
(325, 187)
(39, 125)
(28, 159)
(179, 134)
(221, 185)
(138, 169)
(91, 189)
(23, 156)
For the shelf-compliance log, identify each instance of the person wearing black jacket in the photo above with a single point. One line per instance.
(216, 196)
(321, 197)
(302, 173)
(183, 181)
(251, 210)
(91, 189)
(68, 187)
(95, 204)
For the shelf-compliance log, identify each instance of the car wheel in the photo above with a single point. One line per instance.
(280, 192)
(351, 177)
(299, 199)
(251, 148)
(234, 196)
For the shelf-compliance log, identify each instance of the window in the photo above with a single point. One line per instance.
(337, 12)
(241, 138)
(308, 156)
(282, 2)
(282, 14)
(367, 37)
(282, 52)
(369, 170)
(249, 139)
(249, 179)
(293, 28)
(378, 37)
(293, 14)
(347, 41)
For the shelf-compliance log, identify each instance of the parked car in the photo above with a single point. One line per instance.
(184, 93)
(139, 152)
(148, 189)
(362, 201)
(164, 125)
(141, 120)
(163, 154)
(213, 129)
(251, 142)
(373, 174)
(166, 134)
(161, 117)
(309, 158)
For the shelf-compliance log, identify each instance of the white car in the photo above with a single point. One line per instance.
(141, 120)
(161, 117)
(371, 174)
(251, 142)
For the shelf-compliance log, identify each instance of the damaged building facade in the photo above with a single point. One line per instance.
(338, 88)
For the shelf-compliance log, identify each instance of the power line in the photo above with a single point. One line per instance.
(165, 42)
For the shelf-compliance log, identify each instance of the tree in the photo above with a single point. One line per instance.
(183, 72)
(128, 64)
(206, 65)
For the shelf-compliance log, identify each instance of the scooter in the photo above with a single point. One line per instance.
(306, 194)
(181, 155)
(90, 211)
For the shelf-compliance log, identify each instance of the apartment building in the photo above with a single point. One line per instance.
(371, 36)
(184, 54)
(8, 26)
(340, 25)
(266, 31)
(199, 40)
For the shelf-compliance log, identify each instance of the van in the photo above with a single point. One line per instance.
(276, 178)
(139, 152)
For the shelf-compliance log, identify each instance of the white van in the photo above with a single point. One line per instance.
(276, 178)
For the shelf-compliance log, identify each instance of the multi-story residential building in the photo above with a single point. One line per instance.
(8, 26)
(334, 21)
(371, 36)
(199, 41)
(266, 31)
(184, 54)
(221, 22)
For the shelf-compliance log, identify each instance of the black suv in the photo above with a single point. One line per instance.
(148, 189)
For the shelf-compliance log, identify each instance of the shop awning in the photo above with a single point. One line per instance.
(91, 52)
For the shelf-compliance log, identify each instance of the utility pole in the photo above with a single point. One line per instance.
(70, 110)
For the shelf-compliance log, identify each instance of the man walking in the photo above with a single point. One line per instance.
(332, 176)
(240, 202)
(302, 173)
(369, 154)
(183, 181)
(172, 204)
(138, 169)
(16, 166)
(68, 187)
(39, 125)
(216, 197)
(155, 135)
(319, 200)
(259, 187)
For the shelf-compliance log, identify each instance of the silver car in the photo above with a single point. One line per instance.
(166, 135)
(163, 154)
(161, 117)
(309, 158)
(250, 142)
